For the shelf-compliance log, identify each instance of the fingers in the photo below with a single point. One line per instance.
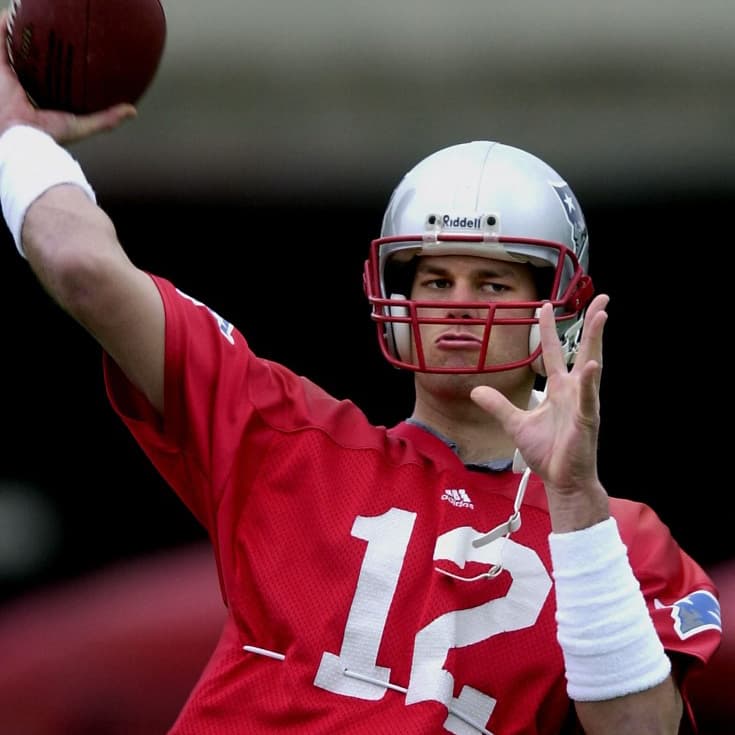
(589, 358)
(98, 122)
(589, 390)
(67, 128)
(591, 342)
(594, 323)
(552, 353)
(496, 404)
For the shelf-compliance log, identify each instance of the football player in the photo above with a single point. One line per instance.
(464, 571)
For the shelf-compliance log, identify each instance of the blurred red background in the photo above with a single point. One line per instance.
(118, 651)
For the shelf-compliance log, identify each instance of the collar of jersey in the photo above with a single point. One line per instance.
(492, 465)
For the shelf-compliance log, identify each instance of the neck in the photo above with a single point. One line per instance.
(445, 406)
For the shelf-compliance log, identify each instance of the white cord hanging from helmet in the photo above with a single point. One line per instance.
(513, 523)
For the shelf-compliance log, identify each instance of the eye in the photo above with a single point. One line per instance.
(438, 283)
(494, 287)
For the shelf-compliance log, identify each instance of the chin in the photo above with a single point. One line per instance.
(451, 385)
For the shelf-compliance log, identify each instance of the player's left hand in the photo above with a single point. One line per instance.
(558, 438)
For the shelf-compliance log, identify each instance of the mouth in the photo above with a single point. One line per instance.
(458, 341)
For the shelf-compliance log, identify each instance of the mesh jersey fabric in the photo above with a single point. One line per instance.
(329, 532)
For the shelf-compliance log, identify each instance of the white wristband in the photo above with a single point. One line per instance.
(605, 631)
(31, 162)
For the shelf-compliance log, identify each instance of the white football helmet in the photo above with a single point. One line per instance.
(486, 199)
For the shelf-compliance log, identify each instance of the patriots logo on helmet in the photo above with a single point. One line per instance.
(574, 215)
(697, 612)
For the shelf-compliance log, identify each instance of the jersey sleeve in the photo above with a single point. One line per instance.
(219, 403)
(682, 598)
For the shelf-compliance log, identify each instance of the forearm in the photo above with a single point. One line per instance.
(655, 711)
(67, 239)
(617, 671)
(31, 163)
(51, 211)
(72, 247)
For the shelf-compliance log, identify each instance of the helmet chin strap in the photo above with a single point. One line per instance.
(513, 523)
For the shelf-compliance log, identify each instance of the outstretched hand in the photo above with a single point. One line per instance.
(558, 438)
(64, 127)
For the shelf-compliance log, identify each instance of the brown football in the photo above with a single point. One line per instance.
(85, 55)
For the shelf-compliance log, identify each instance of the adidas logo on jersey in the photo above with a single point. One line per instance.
(458, 497)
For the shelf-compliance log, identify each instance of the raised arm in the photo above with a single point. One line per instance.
(69, 242)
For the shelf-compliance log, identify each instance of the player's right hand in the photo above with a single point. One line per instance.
(64, 127)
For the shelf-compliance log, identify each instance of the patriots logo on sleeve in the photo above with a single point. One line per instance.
(224, 326)
(697, 612)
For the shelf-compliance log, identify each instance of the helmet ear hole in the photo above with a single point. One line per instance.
(398, 334)
(569, 339)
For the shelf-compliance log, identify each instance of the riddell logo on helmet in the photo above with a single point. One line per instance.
(461, 223)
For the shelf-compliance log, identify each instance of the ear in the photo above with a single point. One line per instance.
(398, 334)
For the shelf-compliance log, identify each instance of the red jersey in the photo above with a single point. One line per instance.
(335, 543)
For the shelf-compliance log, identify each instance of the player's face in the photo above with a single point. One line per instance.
(453, 279)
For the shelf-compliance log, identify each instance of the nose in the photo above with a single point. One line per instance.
(456, 308)
(461, 312)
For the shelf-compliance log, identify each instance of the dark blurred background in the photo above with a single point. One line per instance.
(76, 492)
(256, 175)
